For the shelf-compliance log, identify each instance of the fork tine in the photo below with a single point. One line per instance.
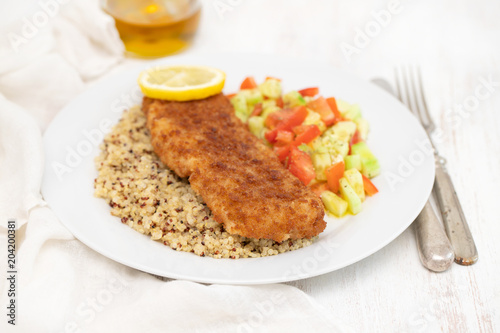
(429, 123)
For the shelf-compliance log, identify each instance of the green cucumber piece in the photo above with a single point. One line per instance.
(371, 168)
(256, 126)
(353, 113)
(342, 105)
(293, 98)
(353, 162)
(344, 130)
(321, 161)
(333, 204)
(271, 88)
(370, 165)
(349, 195)
(252, 96)
(355, 179)
(363, 128)
(240, 105)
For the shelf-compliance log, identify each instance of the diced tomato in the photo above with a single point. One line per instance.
(279, 102)
(311, 92)
(333, 175)
(310, 133)
(300, 165)
(356, 138)
(273, 78)
(300, 129)
(296, 118)
(319, 188)
(257, 110)
(320, 106)
(282, 152)
(277, 117)
(332, 103)
(370, 189)
(283, 138)
(230, 96)
(248, 83)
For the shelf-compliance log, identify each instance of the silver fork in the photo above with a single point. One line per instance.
(411, 92)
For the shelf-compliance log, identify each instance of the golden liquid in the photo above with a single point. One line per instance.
(153, 28)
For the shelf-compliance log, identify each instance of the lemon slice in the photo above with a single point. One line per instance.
(181, 83)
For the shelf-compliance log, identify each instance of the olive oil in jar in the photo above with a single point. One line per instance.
(154, 28)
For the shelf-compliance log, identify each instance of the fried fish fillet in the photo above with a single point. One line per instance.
(238, 176)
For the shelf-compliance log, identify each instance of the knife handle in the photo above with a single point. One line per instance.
(434, 248)
(453, 217)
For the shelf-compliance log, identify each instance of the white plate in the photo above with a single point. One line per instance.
(72, 139)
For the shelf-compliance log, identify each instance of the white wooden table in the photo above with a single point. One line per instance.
(457, 43)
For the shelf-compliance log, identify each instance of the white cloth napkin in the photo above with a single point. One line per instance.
(63, 286)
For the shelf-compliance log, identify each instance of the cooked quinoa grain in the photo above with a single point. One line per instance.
(151, 199)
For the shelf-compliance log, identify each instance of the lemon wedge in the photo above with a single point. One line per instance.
(181, 83)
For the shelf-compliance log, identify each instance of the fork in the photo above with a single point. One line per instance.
(410, 91)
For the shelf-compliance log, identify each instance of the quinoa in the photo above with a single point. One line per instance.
(153, 200)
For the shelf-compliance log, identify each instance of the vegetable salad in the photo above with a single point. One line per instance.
(322, 141)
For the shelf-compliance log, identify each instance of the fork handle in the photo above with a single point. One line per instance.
(453, 217)
(434, 248)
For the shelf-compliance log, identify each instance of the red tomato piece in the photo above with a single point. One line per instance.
(277, 117)
(296, 118)
(300, 165)
(279, 102)
(273, 78)
(283, 138)
(370, 189)
(311, 92)
(320, 106)
(282, 152)
(333, 175)
(308, 134)
(257, 110)
(248, 83)
(332, 103)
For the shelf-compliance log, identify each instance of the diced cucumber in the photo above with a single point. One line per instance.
(241, 116)
(371, 168)
(355, 179)
(333, 204)
(313, 118)
(293, 98)
(332, 144)
(267, 103)
(363, 128)
(342, 105)
(305, 148)
(252, 96)
(344, 130)
(352, 113)
(240, 104)
(256, 125)
(321, 161)
(370, 164)
(271, 88)
(353, 162)
(349, 195)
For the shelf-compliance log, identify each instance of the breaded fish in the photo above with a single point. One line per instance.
(240, 179)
